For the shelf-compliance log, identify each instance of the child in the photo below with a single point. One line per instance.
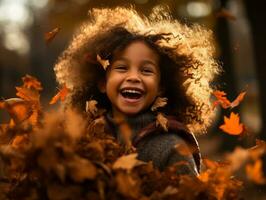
(150, 58)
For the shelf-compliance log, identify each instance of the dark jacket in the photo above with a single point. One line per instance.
(156, 145)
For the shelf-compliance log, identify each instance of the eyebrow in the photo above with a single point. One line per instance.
(144, 61)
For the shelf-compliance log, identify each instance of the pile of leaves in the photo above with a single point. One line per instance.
(64, 154)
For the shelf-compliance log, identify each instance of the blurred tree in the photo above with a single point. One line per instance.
(257, 16)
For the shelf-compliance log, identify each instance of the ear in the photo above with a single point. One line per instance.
(102, 85)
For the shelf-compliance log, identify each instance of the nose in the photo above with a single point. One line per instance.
(133, 77)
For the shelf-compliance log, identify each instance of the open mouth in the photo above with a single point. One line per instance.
(131, 93)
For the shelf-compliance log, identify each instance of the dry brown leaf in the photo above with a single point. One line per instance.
(127, 185)
(81, 169)
(162, 121)
(91, 107)
(255, 173)
(31, 82)
(127, 162)
(18, 141)
(238, 99)
(28, 94)
(104, 63)
(231, 125)
(49, 36)
(159, 102)
(63, 92)
(18, 109)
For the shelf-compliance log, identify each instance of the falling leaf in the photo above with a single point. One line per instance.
(91, 107)
(238, 99)
(17, 108)
(231, 125)
(28, 94)
(221, 96)
(255, 172)
(159, 102)
(224, 102)
(104, 63)
(223, 13)
(31, 82)
(127, 162)
(162, 121)
(49, 36)
(63, 92)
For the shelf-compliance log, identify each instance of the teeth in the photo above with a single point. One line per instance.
(131, 91)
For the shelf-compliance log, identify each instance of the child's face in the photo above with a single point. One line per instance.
(132, 80)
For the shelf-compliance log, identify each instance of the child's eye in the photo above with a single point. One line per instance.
(147, 71)
(120, 68)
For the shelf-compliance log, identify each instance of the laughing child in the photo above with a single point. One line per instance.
(150, 59)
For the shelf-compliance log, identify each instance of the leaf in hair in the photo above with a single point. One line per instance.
(104, 63)
(49, 36)
(159, 102)
(162, 121)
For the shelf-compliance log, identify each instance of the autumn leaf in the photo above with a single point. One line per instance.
(17, 108)
(19, 141)
(221, 96)
(159, 102)
(224, 102)
(162, 121)
(231, 125)
(255, 172)
(28, 94)
(91, 107)
(238, 99)
(49, 36)
(127, 162)
(104, 63)
(31, 82)
(63, 92)
(128, 186)
(223, 13)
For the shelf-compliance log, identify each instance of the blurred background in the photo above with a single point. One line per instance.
(239, 29)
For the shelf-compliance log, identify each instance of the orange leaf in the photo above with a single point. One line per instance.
(223, 13)
(49, 36)
(28, 94)
(221, 96)
(18, 109)
(225, 103)
(255, 173)
(104, 63)
(159, 102)
(127, 162)
(31, 82)
(231, 125)
(162, 121)
(238, 99)
(63, 92)
(19, 141)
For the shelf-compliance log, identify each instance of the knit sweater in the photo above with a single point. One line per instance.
(156, 145)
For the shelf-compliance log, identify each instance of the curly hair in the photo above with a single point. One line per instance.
(187, 63)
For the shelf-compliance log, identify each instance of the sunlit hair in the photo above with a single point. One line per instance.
(187, 64)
